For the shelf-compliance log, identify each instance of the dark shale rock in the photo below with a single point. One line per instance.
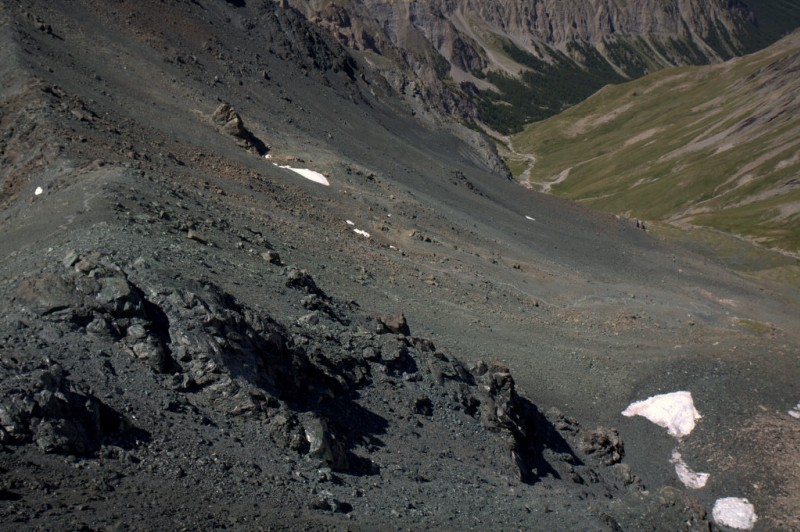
(604, 444)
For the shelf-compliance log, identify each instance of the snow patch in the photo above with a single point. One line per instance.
(673, 411)
(529, 218)
(356, 230)
(735, 512)
(795, 412)
(308, 174)
(689, 478)
(38, 191)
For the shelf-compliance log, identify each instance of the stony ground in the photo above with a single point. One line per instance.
(196, 338)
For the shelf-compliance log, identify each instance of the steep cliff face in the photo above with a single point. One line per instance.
(557, 22)
(508, 63)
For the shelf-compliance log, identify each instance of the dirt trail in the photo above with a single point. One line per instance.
(530, 161)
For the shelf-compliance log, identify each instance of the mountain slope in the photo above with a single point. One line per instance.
(715, 147)
(197, 336)
(510, 63)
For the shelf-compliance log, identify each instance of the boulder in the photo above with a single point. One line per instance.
(604, 444)
(395, 323)
(272, 257)
(323, 445)
(151, 352)
(229, 122)
(118, 297)
(47, 294)
(301, 279)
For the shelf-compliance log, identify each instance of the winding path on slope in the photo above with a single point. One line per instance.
(524, 178)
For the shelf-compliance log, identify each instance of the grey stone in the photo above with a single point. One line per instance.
(309, 319)
(118, 297)
(604, 444)
(396, 323)
(369, 353)
(99, 327)
(297, 278)
(152, 353)
(136, 332)
(70, 259)
(47, 294)
(321, 444)
(197, 237)
(272, 257)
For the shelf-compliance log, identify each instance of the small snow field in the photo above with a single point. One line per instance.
(311, 175)
(357, 230)
(689, 478)
(673, 411)
(735, 512)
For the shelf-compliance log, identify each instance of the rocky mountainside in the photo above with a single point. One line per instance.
(718, 144)
(509, 63)
(245, 287)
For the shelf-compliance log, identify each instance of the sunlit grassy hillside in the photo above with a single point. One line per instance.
(715, 146)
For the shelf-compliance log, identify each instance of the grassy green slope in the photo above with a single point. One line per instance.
(715, 146)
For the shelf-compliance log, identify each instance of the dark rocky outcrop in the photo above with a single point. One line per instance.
(229, 121)
(300, 380)
(45, 407)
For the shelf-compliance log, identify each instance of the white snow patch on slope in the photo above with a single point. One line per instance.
(673, 411)
(689, 478)
(356, 230)
(38, 191)
(795, 412)
(529, 218)
(308, 174)
(735, 512)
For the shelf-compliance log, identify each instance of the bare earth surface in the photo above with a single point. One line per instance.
(196, 338)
